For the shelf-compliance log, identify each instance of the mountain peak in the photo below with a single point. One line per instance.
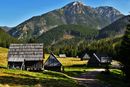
(77, 3)
(75, 7)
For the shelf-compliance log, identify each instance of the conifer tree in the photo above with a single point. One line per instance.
(125, 52)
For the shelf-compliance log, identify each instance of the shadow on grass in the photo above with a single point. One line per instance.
(14, 81)
(82, 65)
(116, 80)
(3, 67)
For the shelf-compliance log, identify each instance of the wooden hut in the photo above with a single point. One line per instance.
(52, 63)
(103, 58)
(85, 56)
(26, 56)
(98, 59)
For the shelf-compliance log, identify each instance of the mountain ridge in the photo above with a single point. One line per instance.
(73, 13)
(116, 28)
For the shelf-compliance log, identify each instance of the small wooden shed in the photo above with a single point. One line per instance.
(52, 63)
(97, 59)
(26, 56)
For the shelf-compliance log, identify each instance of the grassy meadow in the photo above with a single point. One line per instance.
(72, 67)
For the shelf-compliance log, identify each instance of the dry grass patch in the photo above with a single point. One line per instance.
(67, 37)
(69, 61)
(3, 57)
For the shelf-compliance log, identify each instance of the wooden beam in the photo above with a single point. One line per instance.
(96, 57)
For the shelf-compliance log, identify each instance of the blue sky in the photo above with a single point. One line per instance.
(14, 12)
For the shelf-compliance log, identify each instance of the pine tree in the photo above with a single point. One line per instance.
(124, 52)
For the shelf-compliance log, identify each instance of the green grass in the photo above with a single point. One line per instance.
(115, 78)
(18, 78)
(75, 70)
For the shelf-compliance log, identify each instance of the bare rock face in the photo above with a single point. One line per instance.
(110, 12)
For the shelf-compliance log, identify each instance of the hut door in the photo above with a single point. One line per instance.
(39, 64)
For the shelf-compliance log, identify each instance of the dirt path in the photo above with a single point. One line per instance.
(89, 79)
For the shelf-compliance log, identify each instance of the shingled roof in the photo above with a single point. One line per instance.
(85, 56)
(25, 52)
